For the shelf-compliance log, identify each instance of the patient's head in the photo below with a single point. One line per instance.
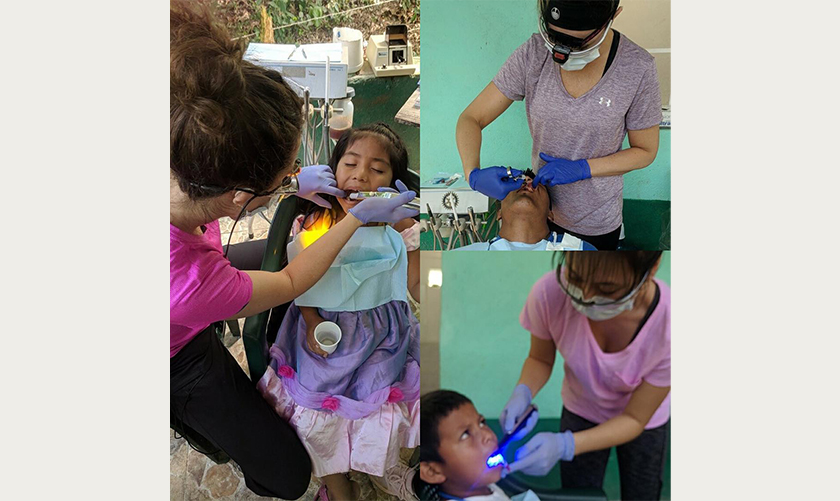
(365, 158)
(524, 213)
(455, 445)
(529, 201)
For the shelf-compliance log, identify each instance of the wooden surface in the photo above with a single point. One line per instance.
(408, 114)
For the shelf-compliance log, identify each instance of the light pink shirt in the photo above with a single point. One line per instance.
(203, 286)
(597, 385)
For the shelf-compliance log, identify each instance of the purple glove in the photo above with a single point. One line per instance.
(316, 179)
(514, 408)
(561, 171)
(542, 452)
(490, 181)
(386, 210)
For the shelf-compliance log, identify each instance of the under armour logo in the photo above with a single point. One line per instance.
(555, 13)
(605, 101)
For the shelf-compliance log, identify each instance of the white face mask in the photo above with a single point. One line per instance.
(602, 308)
(576, 63)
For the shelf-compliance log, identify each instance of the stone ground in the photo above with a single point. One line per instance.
(193, 476)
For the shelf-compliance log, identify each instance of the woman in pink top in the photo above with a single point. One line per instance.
(234, 136)
(610, 319)
(585, 87)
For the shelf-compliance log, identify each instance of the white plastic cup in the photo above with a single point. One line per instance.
(327, 335)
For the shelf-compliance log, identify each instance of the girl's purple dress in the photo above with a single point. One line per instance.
(356, 408)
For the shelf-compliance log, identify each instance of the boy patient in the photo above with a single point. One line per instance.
(455, 443)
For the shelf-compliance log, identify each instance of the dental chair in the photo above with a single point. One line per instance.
(260, 329)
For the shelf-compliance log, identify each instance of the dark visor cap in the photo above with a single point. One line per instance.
(579, 15)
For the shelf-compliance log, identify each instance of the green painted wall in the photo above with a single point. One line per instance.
(482, 345)
(464, 44)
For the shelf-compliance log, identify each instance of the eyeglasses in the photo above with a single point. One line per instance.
(566, 287)
(288, 186)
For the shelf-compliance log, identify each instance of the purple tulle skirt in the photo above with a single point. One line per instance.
(356, 408)
(376, 361)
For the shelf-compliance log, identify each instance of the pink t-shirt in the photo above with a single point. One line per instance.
(203, 286)
(597, 385)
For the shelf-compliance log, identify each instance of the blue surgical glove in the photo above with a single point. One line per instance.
(561, 171)
(515, 407)
(542, 452)
(315, 179)
(490, 181)
(386, 210)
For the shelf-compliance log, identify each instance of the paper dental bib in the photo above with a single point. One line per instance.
(370, 270)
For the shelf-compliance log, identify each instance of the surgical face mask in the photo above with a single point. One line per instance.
(598, 307)
(576, 63)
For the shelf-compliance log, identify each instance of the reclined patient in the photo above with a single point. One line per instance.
(523, 224)
(455, 446)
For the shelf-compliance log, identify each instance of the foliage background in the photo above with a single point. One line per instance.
(245, 18)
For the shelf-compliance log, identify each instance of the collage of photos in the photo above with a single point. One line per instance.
(324, 240)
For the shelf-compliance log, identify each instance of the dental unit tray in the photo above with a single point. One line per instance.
(457, 197)
(361, 195)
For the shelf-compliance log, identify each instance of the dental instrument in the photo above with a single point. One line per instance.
(473, 225)
(436, 224)
(497, 457)
(361, 195)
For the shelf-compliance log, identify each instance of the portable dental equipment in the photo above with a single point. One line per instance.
(497, 458)
(316, 71)
(391, 54)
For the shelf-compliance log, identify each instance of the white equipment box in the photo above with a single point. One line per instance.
(305, 65)
(443, 200)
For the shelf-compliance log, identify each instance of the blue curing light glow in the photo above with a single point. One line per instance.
(495, 460)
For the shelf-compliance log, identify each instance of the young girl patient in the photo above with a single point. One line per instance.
(453, 455)
(356, 407)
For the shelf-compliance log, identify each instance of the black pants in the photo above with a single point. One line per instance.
(641, 462)
(607, 241)
(246, 255)
(215, 406)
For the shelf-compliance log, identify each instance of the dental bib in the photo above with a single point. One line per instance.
(568, 242)
(370, 270)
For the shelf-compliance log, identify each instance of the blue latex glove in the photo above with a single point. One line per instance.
(561, 171)
(386, 210)
(514, 408)
(315, 179)
(489, 181)
(542, 452)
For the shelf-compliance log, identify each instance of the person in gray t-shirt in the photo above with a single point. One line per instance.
(585, 86)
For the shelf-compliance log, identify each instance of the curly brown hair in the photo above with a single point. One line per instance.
(232, 124)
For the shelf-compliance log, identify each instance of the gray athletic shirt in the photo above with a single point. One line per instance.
(591, 126)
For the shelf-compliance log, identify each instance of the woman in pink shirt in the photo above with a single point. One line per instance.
(234, 136)
(610, 319)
